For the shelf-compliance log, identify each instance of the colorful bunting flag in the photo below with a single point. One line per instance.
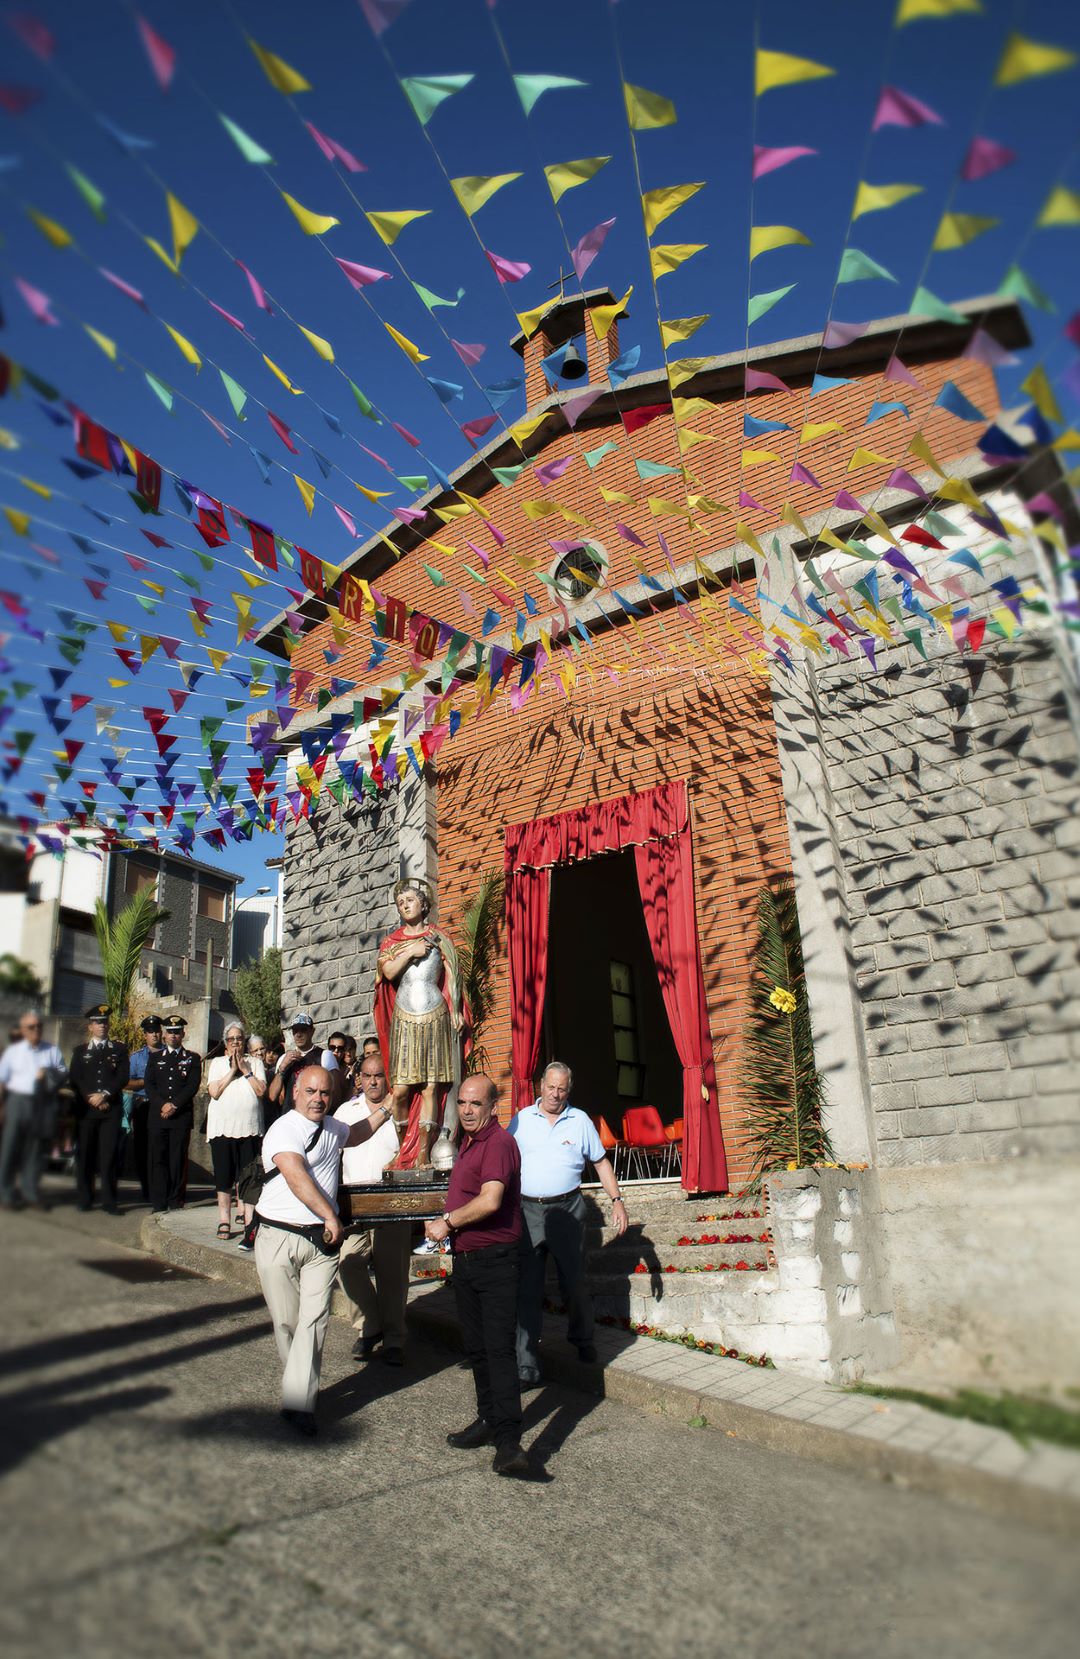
(773, 69)
(278, 72)
(530, 88)
(312, 224)
(388, 226)
(1022, 59)
(645, 110)
(872, 198)
(568, 175)
(426, 92)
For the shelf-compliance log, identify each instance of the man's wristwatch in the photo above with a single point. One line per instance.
(618, 1199)
(446, 1218)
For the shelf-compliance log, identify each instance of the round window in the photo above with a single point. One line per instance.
(580, 572)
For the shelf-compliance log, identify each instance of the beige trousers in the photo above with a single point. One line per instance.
(374, 1276)
(297, 1281)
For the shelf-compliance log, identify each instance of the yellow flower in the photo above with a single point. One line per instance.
(783, 1000)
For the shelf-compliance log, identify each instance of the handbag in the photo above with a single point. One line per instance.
(253, 1178)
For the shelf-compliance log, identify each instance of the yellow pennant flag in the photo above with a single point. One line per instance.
(790, 516)
(758, 457)
(278, 72)
(373, 495)
(307, 492)
(764, 238)
(185, 226)
(1037, 386)
(187, 350)
(678, 330)
(688, 439)
(818, 429)
(389, 226)
(744, 533)
(148, 644)
(43, 489)
(910, 10)
(567, 175)
(876, 522)
(118, 630)
(166, 258)
(413, 353)
(956, 230)
(252, 580)
(867, 458)
(647, 109)
(616, 497)
(685, 368)
(472, 192)
(282, 376)
(1068, 440)
(668, 256)
(919, 446)
(52, 232)
(602, 316)
(530, 320)
(107, 346)
(871, 198)
(218, 657)
(1022, 59)
(659, 205)
(1062, 207)
(323, 347)
(773, 69)
(689, 408)
(312, 224)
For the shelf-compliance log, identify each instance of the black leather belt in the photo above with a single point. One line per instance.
(556, 1198)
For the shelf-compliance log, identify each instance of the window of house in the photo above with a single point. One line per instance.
(630, 1073)
(138, 878)
(211, 904)
(580, 572)
(199, 958)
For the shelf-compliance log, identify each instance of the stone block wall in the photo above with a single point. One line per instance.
(956, 803)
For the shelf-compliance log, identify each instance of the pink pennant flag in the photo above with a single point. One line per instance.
(37, 303)
(216, 424)
(162, 56)
(381, 13)
(346, 518)
(475, 430)
(494, 532)
(282, 431)
(229, 318)
(124, 287)
(628, 535)
(1072, 329)
(375, 456)
(552, 470)
(585, 252)
(984, 157)
(33, 33)
(747, 500)
(481, 553)
(841, 334)
(849, 502)
(898, 479)
(895, 370)
(468, 354)
(900, 109)
(333, 151)
(466, 603)
(403, 432)
(507, 270)
(47, 554)
(867, 645)
(18, 99)
(768, 158)
(362, 276)
(759, 380)
(257, 290)
(575, 407)
(985, 349)
(409, 515)
(803, 475)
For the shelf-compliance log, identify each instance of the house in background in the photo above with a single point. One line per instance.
(257, 921)
(187, 965)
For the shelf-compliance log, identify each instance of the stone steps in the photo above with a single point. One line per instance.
(618, 1258)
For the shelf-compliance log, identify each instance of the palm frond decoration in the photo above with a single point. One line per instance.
(120, 941)
(478, 931)
(783, 1090)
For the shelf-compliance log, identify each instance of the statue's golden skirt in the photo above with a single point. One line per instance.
(421, 1047)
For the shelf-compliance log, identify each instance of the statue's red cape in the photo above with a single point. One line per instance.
(385, 997)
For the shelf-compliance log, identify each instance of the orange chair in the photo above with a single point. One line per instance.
(674, 1134)
(644, 1131)
(609, 1143)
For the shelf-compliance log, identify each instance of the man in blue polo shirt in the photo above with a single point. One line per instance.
(556, 1141)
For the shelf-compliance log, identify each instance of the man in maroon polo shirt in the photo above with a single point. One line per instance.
(482, 1220)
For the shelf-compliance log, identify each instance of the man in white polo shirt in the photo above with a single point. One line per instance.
(373, 1267)
(556, 1141)
(296, 1248)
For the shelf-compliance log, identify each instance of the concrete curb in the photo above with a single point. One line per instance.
(431, 1317)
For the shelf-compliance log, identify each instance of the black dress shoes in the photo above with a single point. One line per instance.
(365, 1346)
(510, 1460)
(478, 1433)
(392, 1356)
(302, 1421)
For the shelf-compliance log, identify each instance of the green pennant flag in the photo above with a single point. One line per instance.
(432, 300)
(337, 790)
(23, 740)
(508, 475)
(436, 576)
(1018, 285)
(90, 193)
(926, 304)
(236, 394)
(426, 92)
(856, 266)
(209, 726)
(362, 403)
(159, 389)
(532, 87)
(249, 149)
(760, 303)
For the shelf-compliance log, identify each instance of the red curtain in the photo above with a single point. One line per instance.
(666, 879)
(527, 894)
(656, 823)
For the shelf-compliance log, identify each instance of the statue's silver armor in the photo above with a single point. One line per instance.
(419, 987)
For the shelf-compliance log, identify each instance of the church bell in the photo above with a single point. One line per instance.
(574, 365)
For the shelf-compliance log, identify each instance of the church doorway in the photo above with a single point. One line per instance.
(603, 1012)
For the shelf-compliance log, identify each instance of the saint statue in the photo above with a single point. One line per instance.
(419, 1016)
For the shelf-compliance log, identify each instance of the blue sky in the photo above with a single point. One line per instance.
(697, 52)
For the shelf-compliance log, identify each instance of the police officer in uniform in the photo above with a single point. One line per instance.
(173, 1074)
(98, 1072)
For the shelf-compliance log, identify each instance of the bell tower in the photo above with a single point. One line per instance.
(565, 322)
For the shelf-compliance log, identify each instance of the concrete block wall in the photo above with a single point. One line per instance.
(956, 796)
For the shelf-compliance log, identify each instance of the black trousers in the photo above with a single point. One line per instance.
(168, 1150)
(140, 1149)
(95, 1153)
(485, 1288)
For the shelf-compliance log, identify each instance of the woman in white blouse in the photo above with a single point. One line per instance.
(236, 1083)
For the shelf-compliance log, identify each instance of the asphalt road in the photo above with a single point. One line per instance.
(154, 1503)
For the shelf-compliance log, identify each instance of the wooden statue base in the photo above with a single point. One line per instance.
(401, 1195)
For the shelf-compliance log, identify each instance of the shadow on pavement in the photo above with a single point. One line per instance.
(85, 1344)
(28, 1425)
(253, 1425)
